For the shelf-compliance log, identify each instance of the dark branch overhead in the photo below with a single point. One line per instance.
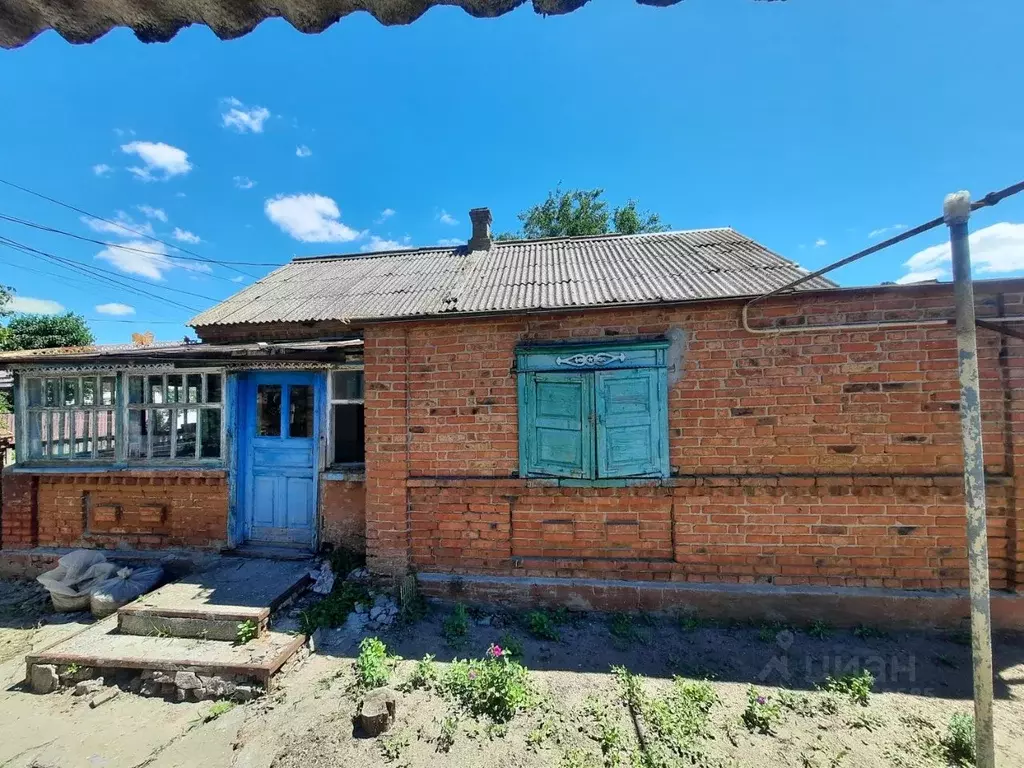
(157, 21)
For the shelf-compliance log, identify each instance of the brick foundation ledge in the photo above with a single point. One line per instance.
(799, 605)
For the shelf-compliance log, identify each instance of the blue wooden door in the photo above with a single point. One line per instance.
(281, 423)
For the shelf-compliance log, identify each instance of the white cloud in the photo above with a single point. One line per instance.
(32, 306)
(242, 118)
(152, 213)
(244, 182)
(996, 249)
(377, 243)
(882, 231)
(122, 225)
(238, 279)
(386, 214)
(821, 242)
(184, 236)
(450, 242)
(139, 257)
(446, 218)
(310, 218)
(115, 308)
(160, 161)
(303, 151)
(101, 169)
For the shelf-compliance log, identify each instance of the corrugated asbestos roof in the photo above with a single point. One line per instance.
(82, 21)
(515, 275)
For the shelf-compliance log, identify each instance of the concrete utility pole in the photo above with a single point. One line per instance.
(956, 210)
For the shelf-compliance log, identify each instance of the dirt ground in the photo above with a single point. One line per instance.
(578, 718)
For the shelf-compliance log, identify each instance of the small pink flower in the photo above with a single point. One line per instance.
(472, 674)
(762, 700)
(495, 651)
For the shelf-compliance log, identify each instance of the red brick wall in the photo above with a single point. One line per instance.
(823, 457)
(343, 514)
(135, 508)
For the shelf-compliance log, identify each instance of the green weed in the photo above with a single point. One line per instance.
(690, 622)
(856, 686)
(456, 625)
(392, 746)
(446, 736)
(219, 708)
(770, 630)
(495, 686)
(511, 644)
(864, 632)
(609, 737)
(374, 664)
(335, 608)
(676, 722)
(424, 674)
(247, 631)
(542, 625)
(761, 712)
(577, 758)
(819, 629)
(958, 741)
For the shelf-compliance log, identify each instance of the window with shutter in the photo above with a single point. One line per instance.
(559, 429)
(630, 425)
(604, 418)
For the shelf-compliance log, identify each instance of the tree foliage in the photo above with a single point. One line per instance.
(44, 331)
(582, 213)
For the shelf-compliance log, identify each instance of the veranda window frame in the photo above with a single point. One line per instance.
(150, 408)
(332, 401)
(122, 408)
(24, 413)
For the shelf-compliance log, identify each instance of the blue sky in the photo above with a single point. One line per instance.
(806, 125)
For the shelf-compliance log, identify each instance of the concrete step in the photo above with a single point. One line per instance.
(221, 623)
(103, 649)
(210, 605)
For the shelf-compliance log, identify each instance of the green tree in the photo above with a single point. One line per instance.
(44, 331)
(580, 213)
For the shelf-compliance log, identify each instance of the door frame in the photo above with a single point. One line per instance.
(243, 389)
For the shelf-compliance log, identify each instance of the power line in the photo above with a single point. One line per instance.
(65, 281)
(137, 322)
(106, 243)
(120, 225)
(83, 269)
(109, 272)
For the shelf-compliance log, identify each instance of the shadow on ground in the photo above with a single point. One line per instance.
(924, 663)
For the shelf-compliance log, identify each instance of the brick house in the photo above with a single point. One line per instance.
(582, 421)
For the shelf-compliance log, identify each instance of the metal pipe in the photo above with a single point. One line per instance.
(956, 211)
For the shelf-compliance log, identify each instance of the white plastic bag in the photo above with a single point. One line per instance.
(76, 573)
(129, 583)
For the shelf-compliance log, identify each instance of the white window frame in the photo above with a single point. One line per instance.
(333, 401)
(26, 411)
(150, 407)
(121, 409)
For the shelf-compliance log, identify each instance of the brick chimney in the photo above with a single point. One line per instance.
(481, 239)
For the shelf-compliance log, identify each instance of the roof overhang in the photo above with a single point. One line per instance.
(157, 21)
(192, 354)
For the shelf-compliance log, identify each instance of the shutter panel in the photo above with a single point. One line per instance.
(557, 430)
(632, 423)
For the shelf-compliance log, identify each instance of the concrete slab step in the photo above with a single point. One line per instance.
(210, 605)
(220, 624)
(102, 647)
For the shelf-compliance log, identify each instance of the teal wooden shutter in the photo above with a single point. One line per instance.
(556, 429)
(632, 423)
